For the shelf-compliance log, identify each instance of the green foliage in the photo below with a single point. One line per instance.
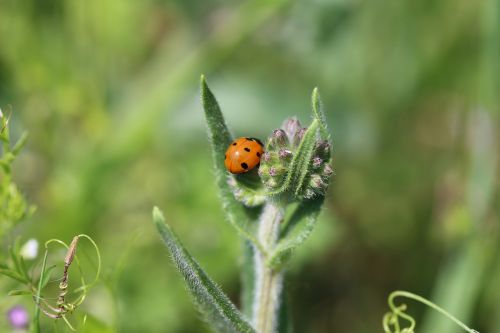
(220, 138)
(262, 274)
(13, 206)
(107, 104)
(219, 311)
(301, 180)
(17, 269)
(296, 231)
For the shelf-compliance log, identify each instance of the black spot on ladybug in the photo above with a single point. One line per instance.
(234, 143)
(258, 154)
(249, 139)
(247, 149)
(244, 166)
(225, 157)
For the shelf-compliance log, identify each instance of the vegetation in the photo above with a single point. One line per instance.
(109, 96)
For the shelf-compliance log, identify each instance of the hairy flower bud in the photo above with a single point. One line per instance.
(299, 135)
(284, 154)
(327, 170)
(323, 148)
(316, 162)
(266, 157)
(278, 139)
(291, 126)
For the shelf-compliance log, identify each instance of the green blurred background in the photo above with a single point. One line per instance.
(108, 91)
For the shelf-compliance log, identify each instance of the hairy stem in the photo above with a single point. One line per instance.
(269, 282)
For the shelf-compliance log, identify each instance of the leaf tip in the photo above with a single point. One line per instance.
(157, 216)
(315, 96)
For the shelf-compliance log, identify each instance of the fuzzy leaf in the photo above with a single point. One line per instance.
(220, 138)
(299, 167)
(296, 231)
(318, 113)
(220, 313)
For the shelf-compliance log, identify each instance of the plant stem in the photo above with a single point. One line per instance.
(269, 281)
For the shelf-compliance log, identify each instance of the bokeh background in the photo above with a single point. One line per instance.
(108, 91)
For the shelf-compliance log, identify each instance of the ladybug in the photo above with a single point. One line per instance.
(243, 155)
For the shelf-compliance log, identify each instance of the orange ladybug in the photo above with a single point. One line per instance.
(243, 155)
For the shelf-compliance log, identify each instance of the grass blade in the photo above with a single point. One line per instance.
(219, 311)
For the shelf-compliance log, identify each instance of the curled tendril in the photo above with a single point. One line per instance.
(390, 321)
(63, 306)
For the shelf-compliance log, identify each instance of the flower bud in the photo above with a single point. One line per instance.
(284, 154)
(249, 197)
(278, 139)
(298, 136)
(327, 170)
(317, 182)
(316, 162)
(291, 126)
(323, 148)
(309, 194)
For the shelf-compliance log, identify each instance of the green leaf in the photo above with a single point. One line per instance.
(220, 313)
(19, 292)
(318, 113)
(299, 167)
(20, 144)
(46, 276)
(304, 157)
(13, 275)
(220, 138)
(296, 231)
(19, 264)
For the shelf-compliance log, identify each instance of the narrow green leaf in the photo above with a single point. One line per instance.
(220, 138)
(19, 292)
(304, 156)
(18, 261)
(317, 107)
(296, 231)
(13, 275)
(299, 166)
(46, 276)
(220, 313)
(20, 144)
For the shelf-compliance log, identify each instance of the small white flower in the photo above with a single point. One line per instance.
(30, 249)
